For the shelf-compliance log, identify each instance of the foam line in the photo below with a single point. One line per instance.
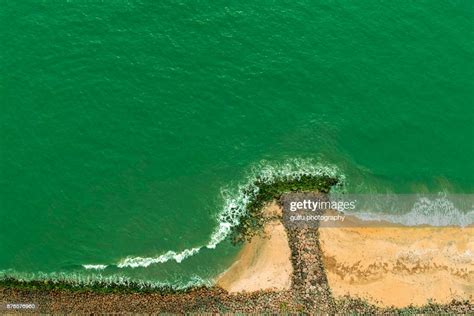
(235, 204)
(135, 262)
(94, 266)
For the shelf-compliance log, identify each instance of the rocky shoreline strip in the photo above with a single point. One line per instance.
(309, 293)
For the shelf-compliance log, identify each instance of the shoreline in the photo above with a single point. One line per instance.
(297, 279)
(383, 263)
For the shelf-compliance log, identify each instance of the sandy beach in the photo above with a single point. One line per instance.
(387, 266)
(399, 266)
(263, 263)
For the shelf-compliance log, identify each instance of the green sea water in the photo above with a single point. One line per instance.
(122, 122)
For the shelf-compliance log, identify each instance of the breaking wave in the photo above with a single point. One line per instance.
(94, 266)
(235, 206)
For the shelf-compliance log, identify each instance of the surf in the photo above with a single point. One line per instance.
(236, 199)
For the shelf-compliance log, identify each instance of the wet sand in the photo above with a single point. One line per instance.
(263, 263)
(399, 266)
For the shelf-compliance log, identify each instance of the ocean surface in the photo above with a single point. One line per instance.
(127, 127)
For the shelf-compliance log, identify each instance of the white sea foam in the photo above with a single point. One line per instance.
(432, 211)
(94, 266)
(235, 204)
(135, 262)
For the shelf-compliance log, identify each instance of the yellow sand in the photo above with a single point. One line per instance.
(400, 265)
(388, 265)
(264, 262)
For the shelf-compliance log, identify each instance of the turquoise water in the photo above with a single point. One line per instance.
(123, 121)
